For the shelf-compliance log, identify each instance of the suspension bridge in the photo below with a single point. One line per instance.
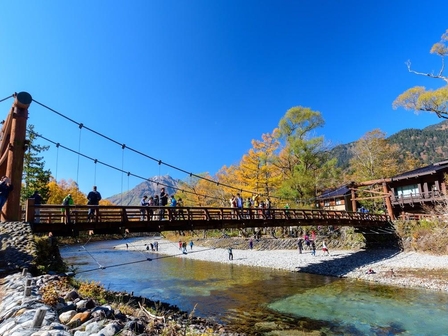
(70, 220)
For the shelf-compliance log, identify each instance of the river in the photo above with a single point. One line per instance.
(259, 301)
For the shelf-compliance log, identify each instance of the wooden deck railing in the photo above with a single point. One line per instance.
(139, 218)
(423, 197)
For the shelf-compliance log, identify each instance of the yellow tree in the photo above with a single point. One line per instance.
(418, 98)
(256, 171)
(58, 190)
(230, 183)
(304, 159)
(373, 157)
(201, 191)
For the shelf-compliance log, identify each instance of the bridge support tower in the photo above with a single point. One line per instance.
(12, 150)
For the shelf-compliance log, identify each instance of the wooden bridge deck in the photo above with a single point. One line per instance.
(70, 220)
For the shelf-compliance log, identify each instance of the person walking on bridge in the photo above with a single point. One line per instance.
(143, 202)
(38, 200)
(68, 200)
(163, 202)
(93, 198)
(239, 205)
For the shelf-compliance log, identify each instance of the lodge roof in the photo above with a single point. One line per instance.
(427, 170)
(341, 191)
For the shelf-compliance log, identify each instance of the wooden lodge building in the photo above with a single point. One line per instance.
(406, 194)
(337, 199)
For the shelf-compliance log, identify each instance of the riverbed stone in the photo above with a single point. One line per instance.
(85, 304)
(65, 306)
(110, 329)
(78, 319)
(135, 326)
(94, 326)
(67, 316)
(72, 295)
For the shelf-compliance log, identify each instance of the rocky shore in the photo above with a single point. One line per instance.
(23, 312)
(47, 305)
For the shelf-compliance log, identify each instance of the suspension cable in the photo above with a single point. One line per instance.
(140, 261)
(6, 98)
(57, 160)
(79, 150)
(122, 169)
(118, 169)
(141, 153)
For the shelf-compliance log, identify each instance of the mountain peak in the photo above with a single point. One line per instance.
(149, 187)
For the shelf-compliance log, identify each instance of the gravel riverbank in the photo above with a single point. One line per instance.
(391, 267)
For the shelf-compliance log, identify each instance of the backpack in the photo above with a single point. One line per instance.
(65, 201)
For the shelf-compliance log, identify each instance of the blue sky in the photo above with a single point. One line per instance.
(191, 83)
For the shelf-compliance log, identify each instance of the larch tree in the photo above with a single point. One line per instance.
(420, 99)
(304, 159)
(201, 191)
(373, 157)
(58, 190)
(256, 171)
(228, 180)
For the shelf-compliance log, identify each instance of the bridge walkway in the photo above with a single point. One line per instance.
(70, 220)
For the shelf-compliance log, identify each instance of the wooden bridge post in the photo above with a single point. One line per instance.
(16, 150)
(353, 192)
(390, 211)
(30, 211)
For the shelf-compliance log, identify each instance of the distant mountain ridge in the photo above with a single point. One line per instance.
(429, 145)
(148, 188)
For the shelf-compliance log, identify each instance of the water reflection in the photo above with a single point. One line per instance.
(369, 310)
(261, 301)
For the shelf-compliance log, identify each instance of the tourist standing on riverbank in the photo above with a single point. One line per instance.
(230, 253)
(325, 248)
(300, 245)
(313, 248)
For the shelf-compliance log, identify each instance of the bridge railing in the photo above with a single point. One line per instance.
(48, 213)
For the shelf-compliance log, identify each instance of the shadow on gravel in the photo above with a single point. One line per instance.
(340, 266)
(12, 259)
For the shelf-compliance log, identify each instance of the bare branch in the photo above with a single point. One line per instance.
(439, 76)
(442, 68)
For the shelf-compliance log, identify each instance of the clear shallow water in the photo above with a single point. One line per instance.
(260, 301)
